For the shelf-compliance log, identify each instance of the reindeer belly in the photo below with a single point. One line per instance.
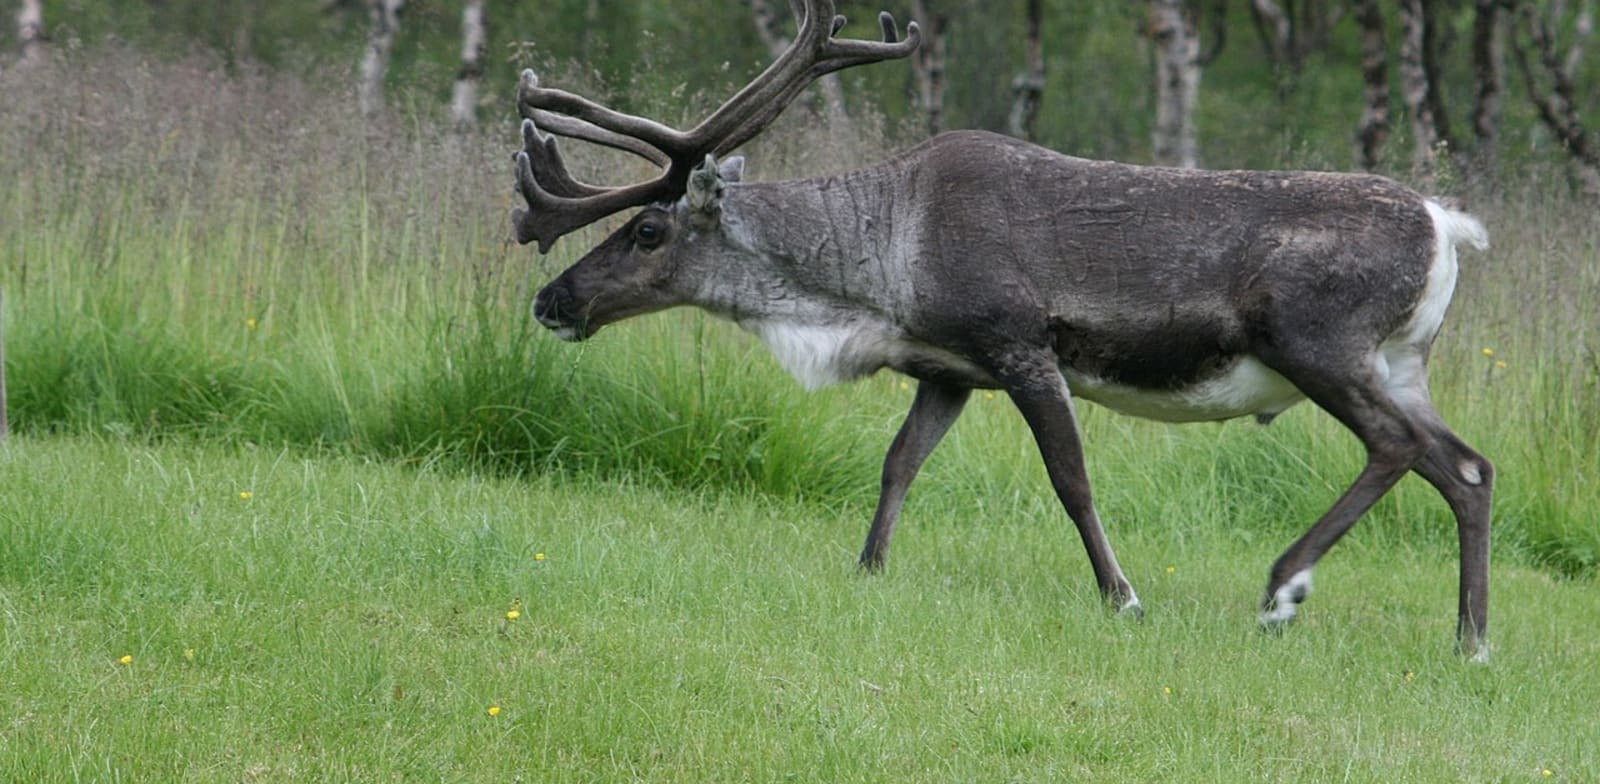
(1243, 386)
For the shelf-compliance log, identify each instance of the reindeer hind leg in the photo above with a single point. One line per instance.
(1359, 396)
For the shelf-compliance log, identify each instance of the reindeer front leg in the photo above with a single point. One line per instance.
(935, 408)
(1039, 391)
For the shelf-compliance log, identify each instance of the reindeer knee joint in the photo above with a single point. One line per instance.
(1476, 472)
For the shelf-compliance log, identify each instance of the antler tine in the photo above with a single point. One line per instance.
(573, 128)
(852, 52)
(549, 216)
(836, 55)
(573, 115)
(547, 168)
(558, 203)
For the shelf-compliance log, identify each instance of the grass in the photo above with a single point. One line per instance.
(347, 621)
(223, 286)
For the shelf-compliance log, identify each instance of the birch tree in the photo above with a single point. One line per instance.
(1171, 28)
(30, 31)
(1419, 89)
(1290, 31)
(771, 26)
(1488, 78)
(474, 42)
(1027, 90)
(1550, 77)
(385, 25)
(928, 63)
(1373, 130)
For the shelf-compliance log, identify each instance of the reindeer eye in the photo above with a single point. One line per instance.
(648, 235)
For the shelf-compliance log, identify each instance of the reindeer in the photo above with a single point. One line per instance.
(976, 261)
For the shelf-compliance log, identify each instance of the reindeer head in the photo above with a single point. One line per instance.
(648, 264)
(658, 259)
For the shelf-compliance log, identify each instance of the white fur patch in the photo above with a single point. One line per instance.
(1470, 473)
(813, 355)
(1286, 600)
(1479, 654)
(1450, 228)
(1248, 387)
(1400, 359)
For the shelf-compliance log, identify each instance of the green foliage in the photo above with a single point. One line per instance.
(670, 60)
(348, 620)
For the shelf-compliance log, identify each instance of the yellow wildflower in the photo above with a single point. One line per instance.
(188, 654)
(513, 615)
(1500, 363)
(1488, 352)
(250, 323)
(1172, 569)
(245, 495)
(126, 659)
(538, 556)
(494, 710)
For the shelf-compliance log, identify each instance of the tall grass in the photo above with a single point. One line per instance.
(188, 255)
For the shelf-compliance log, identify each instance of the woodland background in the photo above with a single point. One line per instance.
(1474, 87)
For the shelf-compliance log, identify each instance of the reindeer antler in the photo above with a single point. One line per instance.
(558, 203)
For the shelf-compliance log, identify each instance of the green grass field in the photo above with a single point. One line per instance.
(347, 621)
(288, 451)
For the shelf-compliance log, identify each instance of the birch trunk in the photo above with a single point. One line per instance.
(474, 41)
(1414, 90)
(1555, 95)
(929, 62)
(385, 16)
(1277, 38)
(1373, 130)
(30, 31)
(1175, 141)
(1488, 76)
(1027, 90)
(770, 25)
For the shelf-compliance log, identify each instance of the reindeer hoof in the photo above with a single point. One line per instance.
(1474, 650)
(870, 564)
(1279, 608)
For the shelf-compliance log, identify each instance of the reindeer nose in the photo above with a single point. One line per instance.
(549, 305)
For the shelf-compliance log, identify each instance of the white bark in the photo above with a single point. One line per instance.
(1175, 141)
(1373, 130)
(474, 41)
(30, 31)
(380, 42)
(1414, 89)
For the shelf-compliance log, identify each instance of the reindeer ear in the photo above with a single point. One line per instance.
(732, 169)
(706, 184)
